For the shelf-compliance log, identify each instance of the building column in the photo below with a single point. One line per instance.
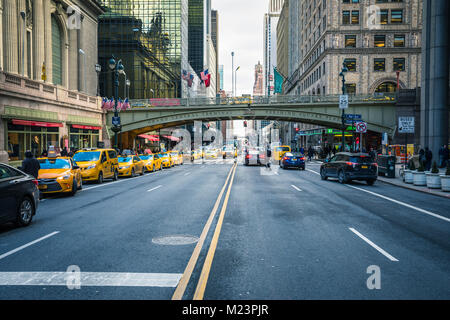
(48, 40)
(1, 36)
(10, 41)
(38, 38)
(435, 76)
(21, 36)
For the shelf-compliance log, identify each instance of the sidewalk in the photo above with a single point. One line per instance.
(397, 181)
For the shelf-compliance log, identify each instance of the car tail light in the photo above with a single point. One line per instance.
(353, 164)
(285, 158)
(36, 182)
(248, 156)
(302, 158)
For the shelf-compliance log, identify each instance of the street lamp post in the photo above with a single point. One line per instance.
(117, 69)
(232, 74)
(342, 74)
(128, 84)
(235, 80)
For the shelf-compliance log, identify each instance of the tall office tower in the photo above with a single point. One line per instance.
(215, 40)
(151, 38)
(270, 43)
(258, 89)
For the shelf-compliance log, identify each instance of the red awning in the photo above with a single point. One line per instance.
(172, 138)
(77, 126)
(152, 137)
(36, 123)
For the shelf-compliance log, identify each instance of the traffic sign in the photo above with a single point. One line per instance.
(343, 101)
(405, 124)
(361, 127)
(116, 121)
(353, 116)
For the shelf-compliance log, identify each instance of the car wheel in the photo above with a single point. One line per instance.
(342, 178)
(100, 178)
(25, 212)
(74, 187)
(323, 175)
(116, 175)
(370, 182)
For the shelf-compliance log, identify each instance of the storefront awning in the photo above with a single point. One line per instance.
(36, 123)
(149, 137)
(172, 138)
(78, 126)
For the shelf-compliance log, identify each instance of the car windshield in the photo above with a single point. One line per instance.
(164, 155)
(149, 157)
(361, 159)
(124, 159)
(297, 154)
(288, 154)
(253, 152)
(86, 156)
(54, 163)
(282, 149)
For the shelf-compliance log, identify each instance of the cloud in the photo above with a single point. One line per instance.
(241, 31)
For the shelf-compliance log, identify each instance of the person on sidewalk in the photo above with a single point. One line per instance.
(30, 165)
(446, 156)
(428, 158)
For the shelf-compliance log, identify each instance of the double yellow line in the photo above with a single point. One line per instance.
(201, 285)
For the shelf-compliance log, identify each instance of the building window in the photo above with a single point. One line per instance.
(350, 64)
(399, 64)
(350, 41)
(379, 64)
(396, 16)
(355, 17)
(379, 40)
(346, 17)
(350, 88)
(399, 40)
(56, 52)
(384, 15)
(386, 87)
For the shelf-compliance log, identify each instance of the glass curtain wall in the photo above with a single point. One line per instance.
(150, 36)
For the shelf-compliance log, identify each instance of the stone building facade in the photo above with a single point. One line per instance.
(48, 80)
(373, 38)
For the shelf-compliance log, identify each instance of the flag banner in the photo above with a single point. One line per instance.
(204, 74)
(190, 80)
(184, 75)
(278, 81)
(208, 80)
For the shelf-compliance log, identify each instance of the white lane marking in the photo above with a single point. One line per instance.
(187, 173)
(313, 171)
(373, 245)
(296, 188)
(154, 188)
(27, 245)
(88, 279)
(401, 203)
(110, 183)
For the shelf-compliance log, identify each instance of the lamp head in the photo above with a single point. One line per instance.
(120, 68)
(98, 68)
(112, 63)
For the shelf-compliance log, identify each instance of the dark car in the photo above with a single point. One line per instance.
(255, 156)
(293, 160)
(19, 196)
(348, 166)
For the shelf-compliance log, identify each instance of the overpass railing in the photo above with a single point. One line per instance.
(264, 100)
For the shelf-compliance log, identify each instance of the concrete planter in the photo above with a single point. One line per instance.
(409, 176)
(445, 183)
(433, 180)
(419, 179)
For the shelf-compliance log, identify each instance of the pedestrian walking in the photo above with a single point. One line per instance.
(30, 165)
(310, 153)
(422, 156)
(64, 152)
(446, 156)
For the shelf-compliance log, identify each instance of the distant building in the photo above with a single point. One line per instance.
(258, 89)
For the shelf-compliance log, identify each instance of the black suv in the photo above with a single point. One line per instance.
(348, 166)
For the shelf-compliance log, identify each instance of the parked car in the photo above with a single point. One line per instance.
(19, 196)
(348, 166)
(97, 164)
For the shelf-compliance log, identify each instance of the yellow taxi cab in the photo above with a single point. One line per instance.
(211, 154)
(152, 162)
(97, 164)
(195, 155)
(279, 151)
(167, 160)
(130, 166)
(59, 175)
(177, 157)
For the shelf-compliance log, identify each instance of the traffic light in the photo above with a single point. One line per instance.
(357, 140)
(297, 129)
(245, 124)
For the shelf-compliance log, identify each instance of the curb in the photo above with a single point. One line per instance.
(411, 188)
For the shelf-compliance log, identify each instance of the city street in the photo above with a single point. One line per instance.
(214, 230)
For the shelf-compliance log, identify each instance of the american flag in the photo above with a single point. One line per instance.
(204, 75)
(184, 75)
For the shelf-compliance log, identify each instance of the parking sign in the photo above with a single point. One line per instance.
(405, 124)
(343, 101)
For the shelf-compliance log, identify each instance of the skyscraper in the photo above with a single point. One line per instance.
(258, 89)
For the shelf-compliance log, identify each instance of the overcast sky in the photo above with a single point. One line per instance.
(241, 31)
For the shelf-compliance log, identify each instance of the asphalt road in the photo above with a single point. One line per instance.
(212, 231)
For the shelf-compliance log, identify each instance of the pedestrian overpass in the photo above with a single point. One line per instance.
(378, 111)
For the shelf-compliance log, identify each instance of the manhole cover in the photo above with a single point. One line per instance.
(175, 240)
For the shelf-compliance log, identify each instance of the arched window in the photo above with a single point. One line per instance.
(386, 87)
(56, 51)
